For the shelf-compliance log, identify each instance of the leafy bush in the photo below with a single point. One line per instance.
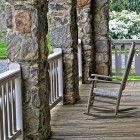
(130, 5)
(48, 42)
(124, 25)
(2, 5)
(3, 49)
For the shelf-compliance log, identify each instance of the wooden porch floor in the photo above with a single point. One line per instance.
(70, 123)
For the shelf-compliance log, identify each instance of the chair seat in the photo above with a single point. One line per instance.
(105, 93)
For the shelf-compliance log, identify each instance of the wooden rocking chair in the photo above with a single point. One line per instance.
(95, 78)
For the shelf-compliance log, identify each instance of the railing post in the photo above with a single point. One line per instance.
(60, 72)
(80, 59)
(18, 92)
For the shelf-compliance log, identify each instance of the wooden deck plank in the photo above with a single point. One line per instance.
(70, 123)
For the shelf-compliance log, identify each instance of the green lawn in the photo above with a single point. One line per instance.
(2, 49)
(129, 77)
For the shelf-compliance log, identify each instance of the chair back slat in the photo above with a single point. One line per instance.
(128, 66)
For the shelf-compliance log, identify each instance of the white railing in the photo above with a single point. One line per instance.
(120, 54)
(56, 77)
(79, 59)
(11, 127)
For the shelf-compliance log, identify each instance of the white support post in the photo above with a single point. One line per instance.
(80, 59)
(18, 92)
(60, 72)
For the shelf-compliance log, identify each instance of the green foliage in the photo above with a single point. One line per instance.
(124, 25)
(130, 77)
(48, 35)
(48, 43)
(130, 5)
(3, 49)
(2, 4)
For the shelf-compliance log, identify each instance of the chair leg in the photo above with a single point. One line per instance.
(91, 98)
(89, 102)
(117, 106)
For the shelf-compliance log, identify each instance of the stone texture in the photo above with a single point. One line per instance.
(63, 34)
(83, 2)
(2, 22)
(102, 68)
(85, 34)
(23, 22)
(26, 45)
(93, 19)
(102, 57)
(101, 39)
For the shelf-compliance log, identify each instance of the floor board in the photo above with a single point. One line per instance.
(70, 123)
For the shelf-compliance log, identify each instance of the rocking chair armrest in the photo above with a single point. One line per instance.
(102, 76)
(104, 81)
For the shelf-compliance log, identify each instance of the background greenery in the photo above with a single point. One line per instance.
(124, 25)
(3, 49)
(130, 5)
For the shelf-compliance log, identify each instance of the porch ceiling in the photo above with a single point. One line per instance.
(69, 122)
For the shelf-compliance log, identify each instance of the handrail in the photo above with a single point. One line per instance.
(11, 124)
(120, 55)
(125, 41)
(54, 55)
(56, 77)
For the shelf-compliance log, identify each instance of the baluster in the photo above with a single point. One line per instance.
(60, 76)
(9, 110)
(60, 72)
(54, 90)
(127, 49)
(19, 120)
(51, 71)
(118, 61)
(50, 83)
(14, 104)
(1, 115)
(5, 111)
(137, 59)
(56, 80)
(80, 59)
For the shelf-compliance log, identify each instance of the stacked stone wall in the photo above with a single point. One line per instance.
(63, 34)
(2, 21)
(85, 31)
(26, 45)
(93, 27)
(101, 36)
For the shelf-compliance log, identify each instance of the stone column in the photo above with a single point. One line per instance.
(101, 36)
(26, 45)
(85, 34)
(63, 34)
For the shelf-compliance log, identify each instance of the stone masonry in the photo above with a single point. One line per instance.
(100, 24)
(93, 19)
(26, 45)
(85, 34)
(63, 34)
(2, 21)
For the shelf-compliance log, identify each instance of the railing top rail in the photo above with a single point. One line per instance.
(57, 53)
(9, 75)
(123, 41)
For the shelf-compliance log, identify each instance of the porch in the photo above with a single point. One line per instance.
(70, 122)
